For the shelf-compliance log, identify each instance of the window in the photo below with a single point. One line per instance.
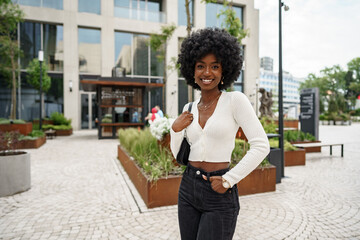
(134, 55)
(213, 9)
(182, 18)
(30, 44)
(90, 6)
(144, 10)
(57, 4)
(89, 50)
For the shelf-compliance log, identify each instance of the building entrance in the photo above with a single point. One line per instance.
(88, 110)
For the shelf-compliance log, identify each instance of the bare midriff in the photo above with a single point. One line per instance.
(209, 166)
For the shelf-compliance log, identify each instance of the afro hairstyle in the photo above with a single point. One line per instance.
(217, 41)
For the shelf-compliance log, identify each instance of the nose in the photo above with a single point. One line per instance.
(207, 70)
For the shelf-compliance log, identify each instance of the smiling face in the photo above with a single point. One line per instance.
(208, 72)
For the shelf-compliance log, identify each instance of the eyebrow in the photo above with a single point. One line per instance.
(210, 63)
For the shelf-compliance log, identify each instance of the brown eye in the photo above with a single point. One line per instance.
(199, 66)
(215, 67)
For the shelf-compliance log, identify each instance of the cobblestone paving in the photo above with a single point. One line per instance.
(80, 191)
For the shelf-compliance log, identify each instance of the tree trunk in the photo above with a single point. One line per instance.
(13, 89)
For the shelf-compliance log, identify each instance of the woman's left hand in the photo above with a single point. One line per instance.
(216, 183)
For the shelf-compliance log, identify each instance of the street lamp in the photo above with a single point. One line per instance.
(41, 59)
(281, 115)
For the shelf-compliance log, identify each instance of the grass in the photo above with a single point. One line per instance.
(155, 161)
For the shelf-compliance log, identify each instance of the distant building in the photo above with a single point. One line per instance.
(266, 63)
(291, 97)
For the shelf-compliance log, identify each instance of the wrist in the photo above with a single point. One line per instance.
(225, 183)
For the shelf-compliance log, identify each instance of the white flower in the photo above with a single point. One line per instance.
(161, 126)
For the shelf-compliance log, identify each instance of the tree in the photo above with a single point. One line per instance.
(158, 43)
(33, 78)
(353, 80)
(10, 16)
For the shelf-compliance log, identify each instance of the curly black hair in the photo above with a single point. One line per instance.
(217, 41)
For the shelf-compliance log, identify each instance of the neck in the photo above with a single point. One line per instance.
(208, 96)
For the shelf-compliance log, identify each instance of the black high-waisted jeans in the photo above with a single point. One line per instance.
(204, 213)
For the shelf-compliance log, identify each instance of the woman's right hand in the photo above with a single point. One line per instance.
(182, 121)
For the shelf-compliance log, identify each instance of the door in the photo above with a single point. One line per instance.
(88, 110)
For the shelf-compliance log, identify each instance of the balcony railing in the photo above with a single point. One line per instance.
(138, 14)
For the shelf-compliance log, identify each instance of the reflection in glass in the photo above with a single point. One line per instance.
(123, 51)
(149, 10)
(57, 4)
(89, 50)
(157, 66)
(212, 9)
(182, 18)
(90, 6)
(53, 46)
(30, 42)
(141, 54)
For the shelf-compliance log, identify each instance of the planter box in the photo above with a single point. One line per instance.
(23, 129)
(162, 193)
(165, 191)
(294, 158)
(258, 181)
(51, 122)
(289, 123)
(309, 149)
(14, 174)
(26, 144)
(64, 132)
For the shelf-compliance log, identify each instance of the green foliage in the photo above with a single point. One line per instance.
(239, 152)
(294, 136)
(155, 161)
(59, 119)
(33, 77)
(8, 121)
(158, 41)
(268, 125)
(287, 145)
(56, 127)
(232, 23)
(36, 134)
(10, 16)
(107, 118)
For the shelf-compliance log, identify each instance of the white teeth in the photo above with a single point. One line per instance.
(206, 80)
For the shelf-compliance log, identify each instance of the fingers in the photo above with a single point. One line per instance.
(210, 179)
(204, 177)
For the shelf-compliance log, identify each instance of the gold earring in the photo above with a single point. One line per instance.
(222, 83)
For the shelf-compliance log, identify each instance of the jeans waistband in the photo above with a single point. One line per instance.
(198, 171)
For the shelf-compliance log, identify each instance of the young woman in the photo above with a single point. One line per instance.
(208, 203)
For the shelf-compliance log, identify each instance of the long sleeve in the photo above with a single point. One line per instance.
(246, 118)
(176, 138)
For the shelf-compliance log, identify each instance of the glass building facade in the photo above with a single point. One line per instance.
(143, 10)
(57, 4)
(182, 18)
(89, 45)
(90, 6)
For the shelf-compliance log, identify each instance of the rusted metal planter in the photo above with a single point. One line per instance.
(294, 158)
(66, 132)
(163, 192)
(309, 149)
(258, 181)
(23, 128)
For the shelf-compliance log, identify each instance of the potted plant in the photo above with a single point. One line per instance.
(14, 166)
(300, 137)
(35, 139)
(157, 179)
(61, 125)
(7, 125)
(160, 129)
(293, 156)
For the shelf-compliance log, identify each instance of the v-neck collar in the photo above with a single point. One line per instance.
(209, 119)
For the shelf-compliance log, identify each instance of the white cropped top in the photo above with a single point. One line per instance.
(216, 141)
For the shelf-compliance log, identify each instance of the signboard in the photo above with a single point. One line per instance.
(309, 111)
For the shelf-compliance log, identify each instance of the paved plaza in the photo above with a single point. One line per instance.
(80, 191)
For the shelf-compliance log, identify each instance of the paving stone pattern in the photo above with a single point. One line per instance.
(80, 191)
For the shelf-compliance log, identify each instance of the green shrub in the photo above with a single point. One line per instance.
(239, 152)
(155, 161)
(56, 127)
(268, 125)
(294, 136)
(59, 119)
(8, 121)
(36, 134)
(287, 145)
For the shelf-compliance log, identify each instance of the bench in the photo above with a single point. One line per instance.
(305, 145)
(50, 133)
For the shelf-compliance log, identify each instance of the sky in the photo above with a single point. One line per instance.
(315, 34)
